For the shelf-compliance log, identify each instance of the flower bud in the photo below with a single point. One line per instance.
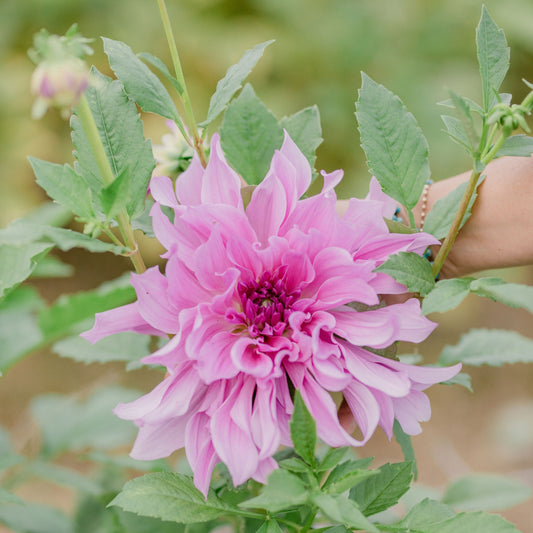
(174, 155)
(58, 84)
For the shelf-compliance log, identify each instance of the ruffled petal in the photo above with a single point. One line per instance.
(189, 183)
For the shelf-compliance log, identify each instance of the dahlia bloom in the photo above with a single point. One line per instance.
(261, 297)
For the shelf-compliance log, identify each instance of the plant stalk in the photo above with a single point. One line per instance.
(84, 113)
(185, 98)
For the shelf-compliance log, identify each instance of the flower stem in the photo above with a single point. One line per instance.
(84, 113)
(185, 98)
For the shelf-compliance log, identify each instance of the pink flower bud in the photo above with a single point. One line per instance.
(58, 84)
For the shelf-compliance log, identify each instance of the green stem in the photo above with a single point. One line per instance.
(84, 113)
(309, 522)
(412, 222)
(487, 158)
(186, 100)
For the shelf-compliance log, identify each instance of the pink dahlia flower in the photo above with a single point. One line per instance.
(260, 297)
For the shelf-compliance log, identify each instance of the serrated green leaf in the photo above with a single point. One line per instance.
(464, 109)
(121, 132)
(489, 347)
(18, 261)
(485, 493)
(171, 497)
(382, 491)
(65, 186)
(406, 445)
(71, 311)
(394, 145)
(116, 196)
(127, 347)
(343, 511)
(249, 135)
(305, 130)
(69, 424)
(472, 523)
(397, 227)
(345, 476)
(333, 457)
(493, 56)
(34, 518)
(447, 294)
(411, 270)
(440, 218)
(463, 379)
(270, 526)
(303, 431)
(426, 514)
(455, 129)
(140, 83)
(159, 65)
(282, 491)
(516, 145)
(511, 294)
(52, 267)
(232, 81)
(472, 106)
(294, 465)
(133, 523)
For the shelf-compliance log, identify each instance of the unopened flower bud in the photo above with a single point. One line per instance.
(174, 155)
(58, 84)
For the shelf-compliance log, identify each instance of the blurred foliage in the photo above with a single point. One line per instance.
(417, 48)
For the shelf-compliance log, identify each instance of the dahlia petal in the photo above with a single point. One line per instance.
(244, 256)
(324, 411)
(330, 374)
(152, 297)
(303, 174)
(364, 408)
(159, 440)
(264, 469)
(300, 271)
(233, 445)
(386, 411)
(248, 358)
(375, 374)
(189, 183)
(411, 410)
(214, 358)
(183, 286)
(166, 233)
(267, 208)
(264, 423)
(282, 168)
(221, 184)
(331, 180)
(125, 318)
(382, 246)
(162, 191)
(376, 194)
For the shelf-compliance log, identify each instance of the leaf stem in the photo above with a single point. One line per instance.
(84, 113)
(185, 98)
(309, 522)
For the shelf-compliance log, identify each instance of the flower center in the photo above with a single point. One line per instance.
(266, 304)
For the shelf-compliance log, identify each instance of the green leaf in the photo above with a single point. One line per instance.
(128, 347)
(17, 262)
(270, 526)
(461, 102)
(249, 136)
(159, 65)
(282, 491)
(425, 514)
(493, 56)
(343, 511)
(133, 523)
(294, 465)
(52, 267)
(303, 431)
(397, 227)
(34, 518)
(411, 270)
(516, 145)
(406, 445)
(63, 476)
(382, 491)
(333, 457)
(345, 476)
(116, 196)
(447, 294)
(464, 109)
(121, 132)
(489, 347)
(125, 461)
(49, 214)
(171, 497)
(69, 424)
(8, 457)
(71, 311)
(232, 81)
(485, 493)
(463, 379)
(8, 497)
(140, 83)
(472, 523)
(65, 186)
(395, 147)
(440, 218)
(305, 130)
(456, 130)
(511, 294)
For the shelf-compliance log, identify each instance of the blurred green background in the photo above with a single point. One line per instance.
(416, 48)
